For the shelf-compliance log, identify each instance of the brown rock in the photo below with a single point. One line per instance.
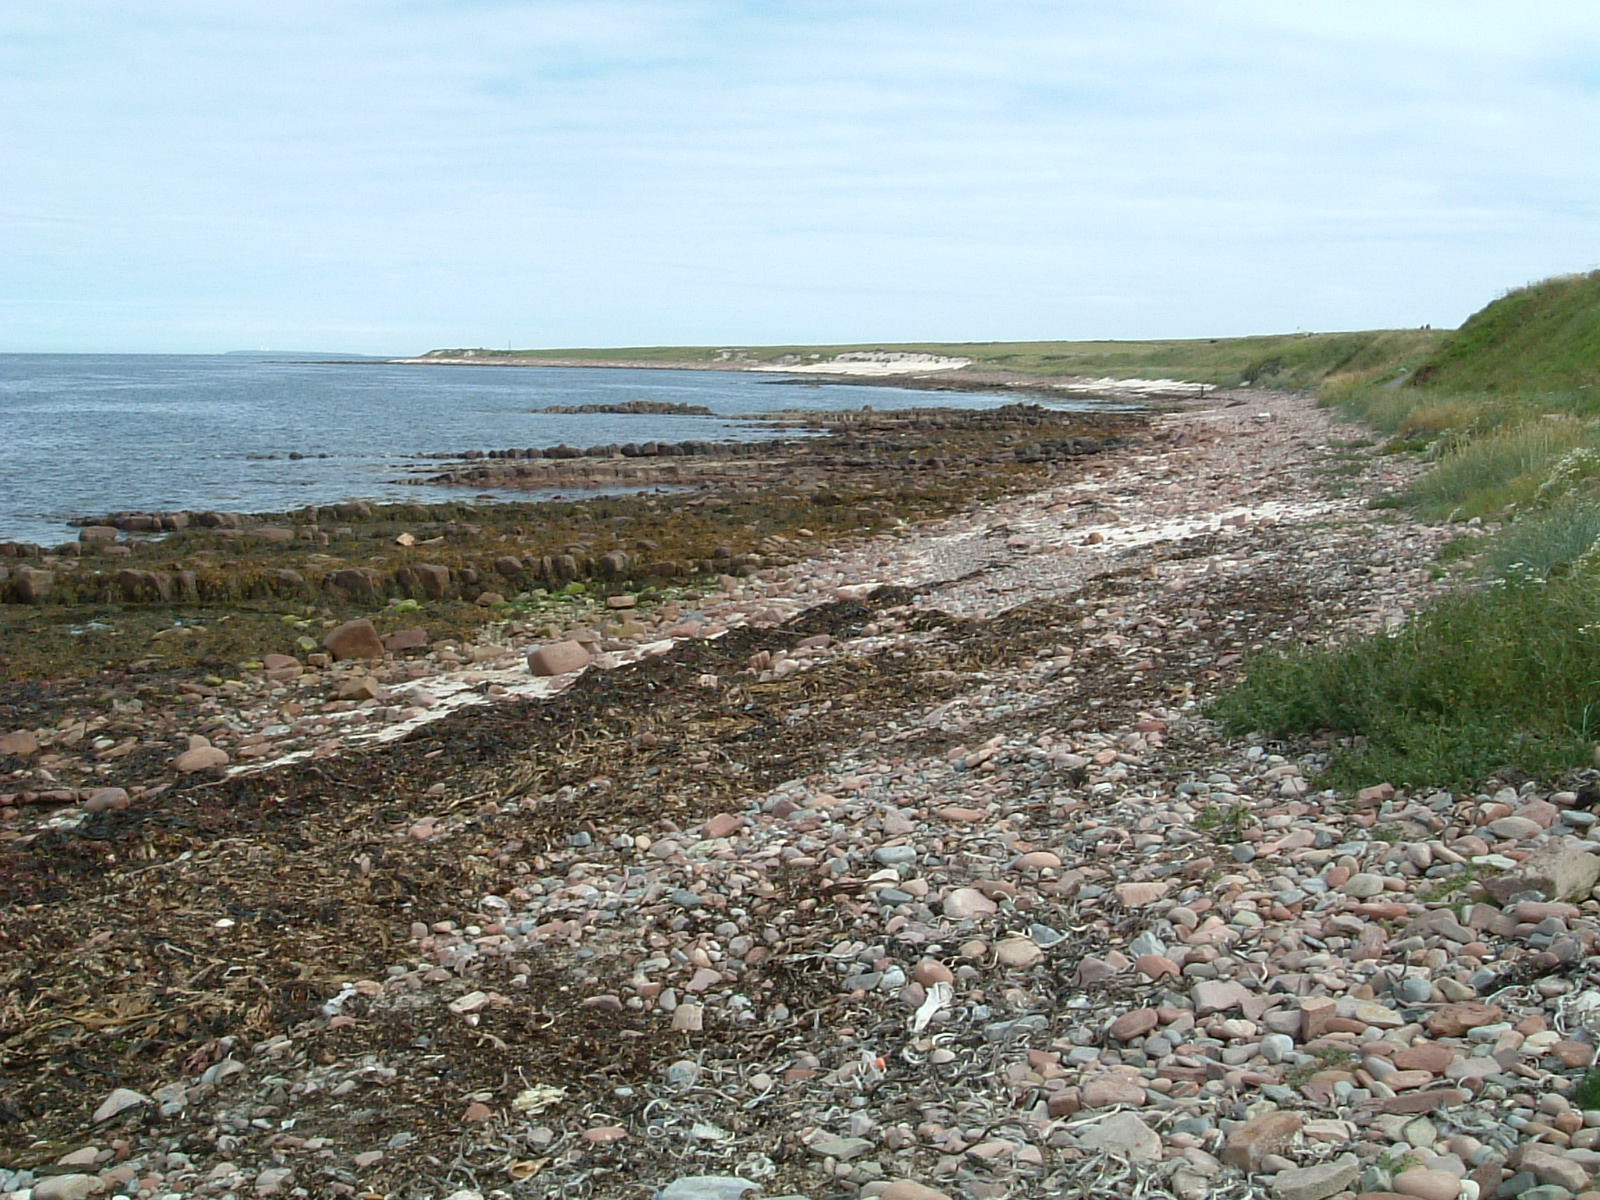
(356, 582)
(1156, 966)
(965, 904)
(105, 800)
(364, 687)
(1454, 1020)
(20, 743)
(97, 535)
(1421, 1102)
(1270, 1133)
(1427, 1056)
(1137, 895)
(1017, 952)
(200, 758)
(720, 826)
(1573, 1054)
(559, 658)
(1134, 1024)
(414, 638)
(1423, 1183)
(354, 639)
(1114, 1087)
(280, 662)
(31, 586)
(432, 579)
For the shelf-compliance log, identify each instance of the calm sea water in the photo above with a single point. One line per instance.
(83, 435)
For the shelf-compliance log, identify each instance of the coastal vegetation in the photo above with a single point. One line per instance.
(1503, 675)
(1294, 360)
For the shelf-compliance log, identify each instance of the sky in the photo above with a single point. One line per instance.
(390, 176)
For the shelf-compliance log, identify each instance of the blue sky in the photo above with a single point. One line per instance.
(389, 176)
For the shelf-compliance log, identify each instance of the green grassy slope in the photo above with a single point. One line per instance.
(1275, 360)
(1543, 337)
(1504, 675)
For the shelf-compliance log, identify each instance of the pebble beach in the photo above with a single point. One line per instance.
(911, 868)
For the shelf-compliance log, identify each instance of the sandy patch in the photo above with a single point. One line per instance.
(873, 362)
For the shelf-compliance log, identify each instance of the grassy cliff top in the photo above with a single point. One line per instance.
(1276, 360)
(1543, 337)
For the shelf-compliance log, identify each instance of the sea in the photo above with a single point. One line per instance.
(83, 435)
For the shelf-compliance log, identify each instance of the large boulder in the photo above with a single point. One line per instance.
(354, 639)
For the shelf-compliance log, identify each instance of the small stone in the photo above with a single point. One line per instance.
(965, 904)
(470, 1003)
(1255, 1139)
(1134, 1024)
(1427, 1184)
(604, 1135)
(559, 658)
(1123, 1134)
(1017, 952)
(1137, 895)
(708, 1187)
(67, 1187)
(1214, 996)
(1363, 886)
(688, 1018)
(119, 1101)
(827, 1145)
(1456, 1020)
(906, 1189)
(106, 800)
(200, 758)
(1316, 1182)
(1550, 1166)
(1276, 1047)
